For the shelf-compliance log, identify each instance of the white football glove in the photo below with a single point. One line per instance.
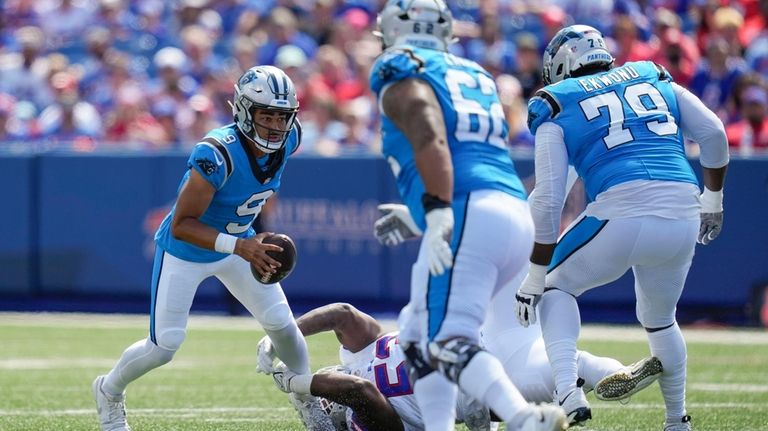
(265, 356)
(711, 216)
(395, 226)
(436, 238)
(529, 293)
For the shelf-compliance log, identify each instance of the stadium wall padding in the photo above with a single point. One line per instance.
(83, 224)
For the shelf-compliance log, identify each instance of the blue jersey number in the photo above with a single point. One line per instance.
(251, 207)
(644, 99)
(480, 117)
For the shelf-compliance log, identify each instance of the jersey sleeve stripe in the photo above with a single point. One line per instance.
(553, 104)
(224, 153)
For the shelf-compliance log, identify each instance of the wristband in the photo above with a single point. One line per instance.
(300, 383)
(537, 273)
(225, 243)
(431, 202)
(711, 202)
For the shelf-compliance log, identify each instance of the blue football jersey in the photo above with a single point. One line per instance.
(619, 126)
(243, 184)
(474, 119)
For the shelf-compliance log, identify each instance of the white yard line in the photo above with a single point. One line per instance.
(728, 387)
(137, 412)
(244, 323)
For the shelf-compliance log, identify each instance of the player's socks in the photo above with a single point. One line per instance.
(138, 359)
(560, 324)
(669, 346)
(291, 348)
(436, 397)
(484, 379)
(592, 368)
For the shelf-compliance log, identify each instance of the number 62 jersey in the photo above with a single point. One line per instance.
(243, 184)
(474, 120)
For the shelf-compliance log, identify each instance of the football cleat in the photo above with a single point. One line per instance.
(683, 424)
(545, 417)
(629, 380)
(576, 407)
(111, 408)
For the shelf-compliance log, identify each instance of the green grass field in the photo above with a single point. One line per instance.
(47, 363)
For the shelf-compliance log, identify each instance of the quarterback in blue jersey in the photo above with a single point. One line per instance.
(444, 135)
(230, 174)
(622, 129)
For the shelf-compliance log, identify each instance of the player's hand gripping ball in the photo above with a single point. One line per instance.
(287, 258)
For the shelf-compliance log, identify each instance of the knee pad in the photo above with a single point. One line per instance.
(157, 355)
(171, 339)
(453, 356)
(276, 317)
(418, 366)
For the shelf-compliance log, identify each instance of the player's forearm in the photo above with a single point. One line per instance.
(371, 407)
(193, 231)
(542, 253)
(714, 178)
(436, 170)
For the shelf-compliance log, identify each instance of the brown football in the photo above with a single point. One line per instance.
(287, 258)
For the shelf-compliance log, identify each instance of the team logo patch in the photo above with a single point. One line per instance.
(207, 166)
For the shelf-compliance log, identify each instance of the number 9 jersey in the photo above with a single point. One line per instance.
(619, 126)
(474, 120)
(243, 184)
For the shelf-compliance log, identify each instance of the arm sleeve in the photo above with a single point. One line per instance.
(702, 126)
(551, 163)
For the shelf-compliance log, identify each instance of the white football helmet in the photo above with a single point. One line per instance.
(421, 23)
(573, 48)
(270, 89)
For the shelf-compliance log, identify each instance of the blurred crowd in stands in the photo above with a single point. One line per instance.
(155, 74)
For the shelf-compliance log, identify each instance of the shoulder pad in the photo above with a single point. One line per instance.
(212, 160)
(542, 107)
(394, 65)
(297, 144)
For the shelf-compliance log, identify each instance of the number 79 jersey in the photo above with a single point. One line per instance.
(243, 184)
(618, 126)
(474, 120)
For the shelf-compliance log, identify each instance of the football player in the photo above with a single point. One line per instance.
(229, 176)
(373, 382)
(444, 135)
(623, 130)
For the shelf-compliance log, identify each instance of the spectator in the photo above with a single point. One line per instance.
(196, 122)
(282, 29)
(675, 50)
(69, 118)
(515, 111)
(716, 76)
(751, 132)
(727, 22)
(528, 70)
(131, 124)
(65, 21)
(628, 46)
(24, 74)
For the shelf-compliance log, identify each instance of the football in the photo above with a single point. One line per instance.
(287, 258)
